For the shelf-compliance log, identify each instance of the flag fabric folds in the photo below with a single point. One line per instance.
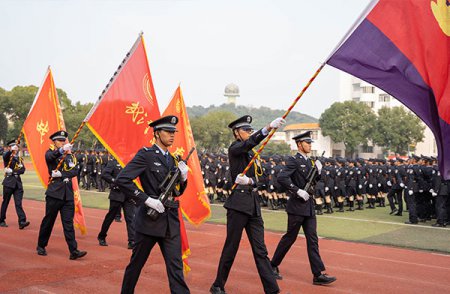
(403, 48)
(45, 118)
(121, 116)
(194, 201)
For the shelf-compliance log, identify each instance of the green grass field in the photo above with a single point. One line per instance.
(369, 226)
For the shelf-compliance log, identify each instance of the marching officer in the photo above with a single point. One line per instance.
(243, 208)
(300, 210)
(59, 195)
(117, 201)
(151, 165)
(12, 184)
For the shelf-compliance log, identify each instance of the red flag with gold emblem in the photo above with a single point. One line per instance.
(194, 201)
(45, 118)
(122, 113)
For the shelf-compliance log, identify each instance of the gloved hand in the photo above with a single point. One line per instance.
(243, 180)
(67, 147)
(326, 189)
(155, 204)
(359, 186)
(303, 194)
(8, 170)
(370, 185)
(182, 166)
(319, 165)
(56, 174)
(389, 183)
(379, 185)
(434, 194)
(207, 181)
(277, 123)
(410, 192)
(14, 148)
(402, 185)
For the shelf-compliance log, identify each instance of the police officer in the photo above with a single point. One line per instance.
(12, 184)
(117, 200)
(59, 195)
(300, 210)
(243, 208)
(151, 165)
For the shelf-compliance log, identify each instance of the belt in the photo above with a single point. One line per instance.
(245, 188)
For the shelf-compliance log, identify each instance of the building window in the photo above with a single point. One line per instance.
(356, 87)
(367, 149)
(356, 99)
(314, 135)
(368, 90)
(384, 98)
(336, 152)
(371, 104)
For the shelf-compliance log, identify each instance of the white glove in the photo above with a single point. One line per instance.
(431, 191)
(319, 165)
(434, 194)
(402, 185)
(379, 185)
(207, 181)
(243, 180)
(389, 183)
(410, 192)
(155, 204)
(326, 189)
(278, 122)
(56, 174)
(182, 166)
(303, 194)
(359, 186)
(8, 170)
(14, 148)
(67, 147)
(370, 185)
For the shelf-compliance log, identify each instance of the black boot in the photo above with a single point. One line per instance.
(341, 207)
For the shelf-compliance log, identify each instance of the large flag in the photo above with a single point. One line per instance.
(194, 201)
(45, 118)
(403, 47)
(122, 113)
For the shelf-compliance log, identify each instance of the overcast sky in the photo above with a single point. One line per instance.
(269, 49)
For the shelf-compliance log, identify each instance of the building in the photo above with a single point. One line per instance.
(231, 93)
(354, 89)
(321, 143)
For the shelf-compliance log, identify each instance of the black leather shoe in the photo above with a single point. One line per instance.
(24, 225)
(77, 254)
(323, 279)
(41, 251)
(398, 214)
(216, 290)
(438, 225)
(276, 273)
(102, 242)
(393, 211)
(131, 245)
(411, 223)
(3, 224)
(118, 220)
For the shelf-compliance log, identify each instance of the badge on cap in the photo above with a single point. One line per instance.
(249, 119)
(62, 133)
(173, 120)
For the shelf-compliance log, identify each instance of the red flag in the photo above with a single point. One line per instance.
(194, 201)
(128, 104)
(45, 118)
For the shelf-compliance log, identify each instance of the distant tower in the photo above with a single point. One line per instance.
(231, 92)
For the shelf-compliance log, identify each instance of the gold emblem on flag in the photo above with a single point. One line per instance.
(146, 87)
(178, 106)
(179, 151)
(42, 129)
(441, 11)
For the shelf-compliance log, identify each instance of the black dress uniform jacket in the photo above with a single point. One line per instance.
(109, 174)
(13, 180)
(294, 177)
(151, 167)
(61, 188)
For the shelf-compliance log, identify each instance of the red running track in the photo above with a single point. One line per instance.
(360, 268)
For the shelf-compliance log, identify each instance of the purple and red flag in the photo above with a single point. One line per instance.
(403, 48)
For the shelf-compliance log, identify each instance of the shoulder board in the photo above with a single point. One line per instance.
(52, 147)
(147, 148)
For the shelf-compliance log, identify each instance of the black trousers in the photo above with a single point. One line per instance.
(309, 224)
(18, 196)
(412, 207)
(67, 211)
(171, 251)
(441, 209)
(254, 227)
(397, 193)
(114, 208)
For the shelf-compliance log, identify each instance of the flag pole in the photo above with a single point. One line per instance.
(266, 140)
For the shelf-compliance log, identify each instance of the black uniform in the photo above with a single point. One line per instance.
(59, 198)
(12, 185)
(117, 200)
(151, 166)
(244, 212)
(300, 214)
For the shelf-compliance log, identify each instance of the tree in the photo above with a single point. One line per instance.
(396, 129)
(3, 128)
(276, 148)
(211, 132)
(349, 122)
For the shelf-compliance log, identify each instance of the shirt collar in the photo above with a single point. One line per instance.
(162, 151)
(303, 155)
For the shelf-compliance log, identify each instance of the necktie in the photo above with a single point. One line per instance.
(166, 155)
